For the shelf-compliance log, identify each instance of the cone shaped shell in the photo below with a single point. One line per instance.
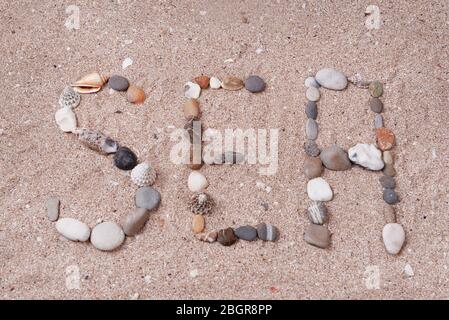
(90, 83)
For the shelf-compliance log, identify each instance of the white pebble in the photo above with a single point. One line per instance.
(319, 190)
(66, 120)
(126, 63)
(215, 83)
(194, 273)
(331, 79)
(197, 181)
(73, 229)
(408, 271)
(312, 94)
(107, 236)
(311, 82)
(192, 90)
(393, 236)
(366, 155)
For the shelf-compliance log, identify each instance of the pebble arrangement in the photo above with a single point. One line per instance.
(369, 156)
(201, 203)
(108, 235)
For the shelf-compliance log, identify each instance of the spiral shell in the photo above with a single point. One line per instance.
(143, 175)
(96, 140)
(69, 98)
(201, 203)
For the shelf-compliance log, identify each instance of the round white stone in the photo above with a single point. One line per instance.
(366, 155)
(197, 181)
(192, 90)
(73, 229)
(319, 190)
(311, 82)
(331, 79)
(65, 119)
(394, 236)
(107, 236)
(313, 94)
(215, 83)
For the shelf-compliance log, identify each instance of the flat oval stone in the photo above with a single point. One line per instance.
(389, 170)
(254, 84)
(394, 237)
(313, 94)
(331, 79)
(247, 233)
(66, 119)
(135, 221)
(226, 237)
(192, 109)
(387, 182)
(376, 105)
(317, 212)
(198, 223)
(52, 207)
(375, 89)
(107, 236)
(311, 129)
(232, 83)
(318, 236)
(267, 232)
(125, 159)
(335, 158)
(385, 138)
(319, 190)
(311, 110)
(313, 167)
(215, 83)
(73, 229)
(311, 82)
(378, 121)
(118, 83)
(311, 148)
(148, 198)
(390, 196)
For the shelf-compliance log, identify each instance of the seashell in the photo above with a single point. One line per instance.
(66, 119)
(210, 236)
(215, 83)
(192, 90)
(96, 140)
(135, 95)
(143, 174)
(201, 203)
(317, 212)
(91, 83)
(232, 83)
(69, 98)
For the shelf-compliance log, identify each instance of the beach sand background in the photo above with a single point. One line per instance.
(170, 42)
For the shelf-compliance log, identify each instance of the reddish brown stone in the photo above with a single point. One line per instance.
(385, 138)
(203, 81)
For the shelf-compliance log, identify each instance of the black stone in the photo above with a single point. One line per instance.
(125, 159)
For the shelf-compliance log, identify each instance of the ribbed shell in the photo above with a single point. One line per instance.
(69, 98)
(201, 203)
(97, 141)
(143, 175)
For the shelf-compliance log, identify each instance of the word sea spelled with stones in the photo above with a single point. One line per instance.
(108, 235)
(369, 156)
(201, 203)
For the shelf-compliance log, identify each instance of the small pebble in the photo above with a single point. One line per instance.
(317, 212)
(118, 83)
(311, 110)
(73, 229)
(387, 157)
(125, 159)
(375, 89)
(389, 213)
(232, 83)
(135, 95)
(313, 167)
(134, 221)
(247, 233)
(317, 235)
(267, 232)
(192, 109)
(107, 236)
(192, 90)
(215, 83)
(203, 81)
(408, 271)
(311, 82)
(197, 181)
(226, 237)
(198, 223)
(378, 121)
(335, 158)
(52, 206)
(367, 156)
(313, 94)
(331, 79)
(387, 182)
(311, 129)
(376, 105)
(66, 119)
(210, 236)
(385, 138)
(311, 148)
(148, 198)
(390, 196)
(319, 190)
(254, 84)
(394, 237)
(389, 170)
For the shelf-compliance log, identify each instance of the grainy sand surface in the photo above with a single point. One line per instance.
(170, 42)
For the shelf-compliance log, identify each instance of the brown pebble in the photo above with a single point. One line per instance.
(226, 237)
(135, 221)
(210, 236)
(313, 167)
(376, 105)
(198, 223)
(203, 81)
(318, 236)
(135, 95)
(232, 83)
(385, 138)
(389, 214)
(388, 157)
(192, 109)
(389, 170)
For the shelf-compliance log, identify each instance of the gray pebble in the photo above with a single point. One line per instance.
(311, 129)
(318, 236)
(376, 105)
(311, 148)
(311, 110)
(389, 170)
(311, 82)
(378, 121)
(118, 83)
(135, 221)
(387, 182)
(267, 232)
(390, 196)
(313, 94)
(148, 198)
(317, 212)
(247, 233)
(335, 158)
(52, 207)
(254, 84)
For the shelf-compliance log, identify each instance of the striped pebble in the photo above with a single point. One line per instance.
(317, 212)
(267, 232)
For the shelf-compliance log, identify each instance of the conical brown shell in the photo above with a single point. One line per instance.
(90, 83)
